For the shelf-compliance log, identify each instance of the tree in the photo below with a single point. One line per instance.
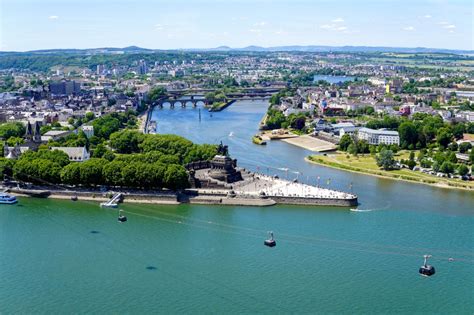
(458, 130)
(464, 147)
(109, 156)
(89, 116)
(447, 167)
(91, 171)
(71, 174)
(156, 92)
(444, 137)
(99, 151)
(408, 134)
(39, 171)
(352, 149)
(55, 156)
(411, 164)
(112, 173)
(298, 123)
(126, 141)
(275, 119)
(105, 126)
(345, 141)
(453, 146)
(385, 159)
(425, 163)
(6, 166)
(175, 177)
(8, 130)
(463, 170)
(12, 141)
(470, 128)
(451, 157)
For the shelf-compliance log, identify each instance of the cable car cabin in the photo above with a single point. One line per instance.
(121, 217)
(271, 241)
(427, 270)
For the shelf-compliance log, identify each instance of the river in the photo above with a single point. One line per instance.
(333, 79)
(61, 256)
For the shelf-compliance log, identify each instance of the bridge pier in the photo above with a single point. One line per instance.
(191, 101)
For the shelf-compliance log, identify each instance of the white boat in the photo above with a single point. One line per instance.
(112, 203)
(7, 199)
(108, 205)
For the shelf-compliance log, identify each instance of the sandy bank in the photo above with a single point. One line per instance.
(310, 143)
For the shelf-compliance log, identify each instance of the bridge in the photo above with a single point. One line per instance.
(182, 101)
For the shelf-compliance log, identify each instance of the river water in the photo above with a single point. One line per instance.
(63, 257)
(333, 79)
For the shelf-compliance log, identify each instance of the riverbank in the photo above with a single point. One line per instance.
(217, 107)
(364, 165)
(311, 143)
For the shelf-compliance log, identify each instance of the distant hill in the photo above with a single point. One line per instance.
(296, 48)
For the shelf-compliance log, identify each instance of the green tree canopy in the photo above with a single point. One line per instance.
(385, 159)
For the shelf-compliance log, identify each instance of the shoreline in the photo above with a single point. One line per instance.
(421, 182)
(197, 197)
(310, 143)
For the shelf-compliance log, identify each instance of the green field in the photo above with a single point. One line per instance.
(366, 164)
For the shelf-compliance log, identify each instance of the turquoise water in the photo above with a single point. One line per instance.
(211, 259)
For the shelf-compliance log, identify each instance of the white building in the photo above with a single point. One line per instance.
(75, 154)
(466, 115)
(380, 136)
(88, 130)
(55, 135)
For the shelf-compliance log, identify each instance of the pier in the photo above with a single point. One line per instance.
(222, 177)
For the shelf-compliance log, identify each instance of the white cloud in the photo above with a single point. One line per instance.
(260, 24)
(409, 28)
(450, 26)
(338, 20)
(443, 23)
(280, 32)
(333, 27)
(53, 17)
(255, 30)
(427, 16)
(159, 27)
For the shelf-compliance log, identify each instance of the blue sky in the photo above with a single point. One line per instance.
(168, 24)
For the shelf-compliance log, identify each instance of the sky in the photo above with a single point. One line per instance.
(173, 24)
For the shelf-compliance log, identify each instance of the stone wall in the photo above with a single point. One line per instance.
(315, 201)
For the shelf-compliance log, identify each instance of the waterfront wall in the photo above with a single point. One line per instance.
(315, 201)
(194, 196)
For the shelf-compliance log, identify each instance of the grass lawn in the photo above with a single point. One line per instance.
(366, 164)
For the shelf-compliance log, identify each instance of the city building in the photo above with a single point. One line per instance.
(75, 154)
(142, 67)
(377, 137)
(64, 87)
(88, 130)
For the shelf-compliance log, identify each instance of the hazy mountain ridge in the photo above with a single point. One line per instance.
(293, 48)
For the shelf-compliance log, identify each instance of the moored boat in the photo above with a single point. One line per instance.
(258, 140)
(7, 199)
